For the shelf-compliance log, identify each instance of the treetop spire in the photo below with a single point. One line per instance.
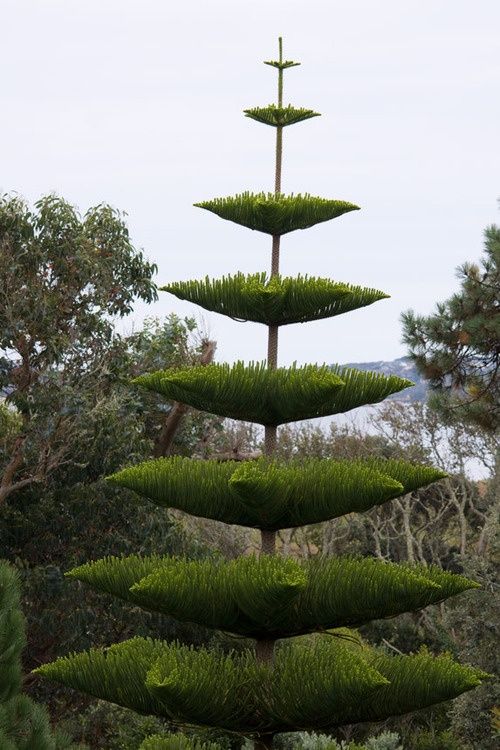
(281, 64)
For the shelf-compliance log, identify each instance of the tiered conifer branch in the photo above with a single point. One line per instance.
(275, 301)
(341, 681)
(272, 597)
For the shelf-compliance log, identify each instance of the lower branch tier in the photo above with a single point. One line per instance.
(272, 597)
(325, 682)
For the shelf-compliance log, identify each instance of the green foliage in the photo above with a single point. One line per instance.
(12, 637)
(319, 682)
(313, 741)
(62, 275)
(232, 691)
(255, 393)
(414, 682)
(10, 426)
(341, 682)
(276, 214)
(111, 727)
(276, 300)
(273, 495)
(23, 724)
(384, 741)
(271, 597)
(62, 278)
(472, 716)
(432, 741)
(457, 349)
(176, 742)
(281, 64)
(41, 525)
(280, 116)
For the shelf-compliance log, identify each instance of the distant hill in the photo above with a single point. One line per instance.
(403, 368)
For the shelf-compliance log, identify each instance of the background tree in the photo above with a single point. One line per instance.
(63, 278)
(458, 347)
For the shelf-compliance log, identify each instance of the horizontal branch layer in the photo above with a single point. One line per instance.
(254, 393)
(274, 301)
(271, 495)
(280, 116)
(272, 597)
(276, 214)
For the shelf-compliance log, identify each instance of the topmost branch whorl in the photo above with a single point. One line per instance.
(281, 65)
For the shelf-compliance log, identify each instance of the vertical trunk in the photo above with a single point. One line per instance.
(265, 647)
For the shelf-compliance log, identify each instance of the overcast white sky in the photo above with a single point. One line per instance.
(139, 104)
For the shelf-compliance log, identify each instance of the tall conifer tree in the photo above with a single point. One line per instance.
(327, 677)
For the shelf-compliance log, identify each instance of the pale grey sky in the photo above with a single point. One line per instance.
(139, 104)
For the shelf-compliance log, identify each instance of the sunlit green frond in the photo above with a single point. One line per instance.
(362, 387)
(276, 300)
(245, 596)
(330, 680)
(414, 682)
(272, 597)
(347, 591)
(269, 494)
(115, 575)
(208, 688)
(280, 116)
(198, 487)
(188, 590)
(254, 393)
(116, 674)
(176, 742)
(276, 214)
